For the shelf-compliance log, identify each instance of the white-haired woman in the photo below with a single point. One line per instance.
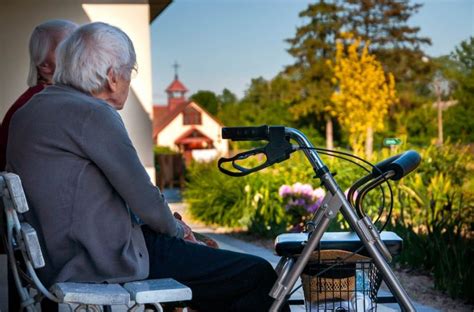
(43, 42)
(100, 216)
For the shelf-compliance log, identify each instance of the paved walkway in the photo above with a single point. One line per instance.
(230, 243)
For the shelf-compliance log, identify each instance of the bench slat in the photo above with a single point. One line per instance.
(16, 192)
(100, 294)
(32, 245)
(158, 290)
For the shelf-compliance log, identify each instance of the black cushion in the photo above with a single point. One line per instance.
(290, 244)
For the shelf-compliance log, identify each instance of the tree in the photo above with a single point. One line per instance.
(464, 55)
(397, 45)
(227, 97)
(312, 45)
(364, 93)
(459, 119)
(228, 107)
(207, 99)
(385, 23)
(265, 102)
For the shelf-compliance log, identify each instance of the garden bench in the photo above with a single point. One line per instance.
(25, 256)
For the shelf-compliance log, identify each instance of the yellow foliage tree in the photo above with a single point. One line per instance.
(363, 93)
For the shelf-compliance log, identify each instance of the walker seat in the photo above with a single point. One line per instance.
(292, 244)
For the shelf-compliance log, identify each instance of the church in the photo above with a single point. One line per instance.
(186, 127)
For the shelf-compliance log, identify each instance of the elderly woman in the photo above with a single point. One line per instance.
(89, 193)
(43, 42)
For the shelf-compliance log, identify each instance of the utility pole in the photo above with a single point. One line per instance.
(440, 86)
(440, 116)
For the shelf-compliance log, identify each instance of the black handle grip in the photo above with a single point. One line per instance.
(401, 164)
(246, 133)
(381, 167)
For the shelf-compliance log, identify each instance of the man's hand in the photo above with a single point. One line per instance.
(188, 233)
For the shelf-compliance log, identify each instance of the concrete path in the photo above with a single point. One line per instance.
(230, 243)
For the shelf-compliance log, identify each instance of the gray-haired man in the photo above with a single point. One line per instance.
(72, 136)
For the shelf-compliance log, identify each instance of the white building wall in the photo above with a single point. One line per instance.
(209, 127)
(171, 132)
(19, 17)
(213, 130)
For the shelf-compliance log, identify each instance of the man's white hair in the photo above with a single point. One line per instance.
(86, 56)
(42, 39)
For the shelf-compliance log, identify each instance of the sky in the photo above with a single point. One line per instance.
(225, 43)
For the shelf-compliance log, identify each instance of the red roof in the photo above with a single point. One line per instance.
(176, 86)
(167, 117)
(159, 113)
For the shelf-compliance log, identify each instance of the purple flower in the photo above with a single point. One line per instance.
(300, 202)
(306, 189)
(319, 193)
(312, 208)
(284, 190)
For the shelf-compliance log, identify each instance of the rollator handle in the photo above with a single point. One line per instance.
(246, 133)
(277, 150)
(401, 165)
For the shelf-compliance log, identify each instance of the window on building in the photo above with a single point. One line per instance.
(191, 116)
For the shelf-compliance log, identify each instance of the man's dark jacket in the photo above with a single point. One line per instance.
(83, 181)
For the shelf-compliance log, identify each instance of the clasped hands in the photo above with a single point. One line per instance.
(188, 233)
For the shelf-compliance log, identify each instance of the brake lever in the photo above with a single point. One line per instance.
(277, 150)
(242, 171)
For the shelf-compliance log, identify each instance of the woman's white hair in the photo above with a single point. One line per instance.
(86, 56)
(42, 39)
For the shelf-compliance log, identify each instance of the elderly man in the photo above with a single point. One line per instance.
(43, 42)
(87, 188)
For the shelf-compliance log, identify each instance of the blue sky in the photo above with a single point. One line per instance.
(225, 43)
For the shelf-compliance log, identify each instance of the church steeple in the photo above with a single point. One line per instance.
(176, 90)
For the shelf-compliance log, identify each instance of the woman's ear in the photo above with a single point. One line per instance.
(111, 80)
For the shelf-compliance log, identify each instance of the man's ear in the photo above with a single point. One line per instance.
(111, 80)
(46, 69)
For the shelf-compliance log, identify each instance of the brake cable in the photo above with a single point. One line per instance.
(350, 194)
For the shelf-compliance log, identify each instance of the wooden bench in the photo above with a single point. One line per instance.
(25, 256)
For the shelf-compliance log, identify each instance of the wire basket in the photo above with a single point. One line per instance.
(337, 280)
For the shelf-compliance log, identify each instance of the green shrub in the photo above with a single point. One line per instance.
(163, 150)
(215, 198)
(435, 217)
(433, 207)
(253, 202)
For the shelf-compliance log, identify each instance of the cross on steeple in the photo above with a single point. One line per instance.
(176, 66)
(176, 90)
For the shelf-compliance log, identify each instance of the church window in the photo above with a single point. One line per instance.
(191, 116)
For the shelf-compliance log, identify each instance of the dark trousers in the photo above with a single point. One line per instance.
(220, 280)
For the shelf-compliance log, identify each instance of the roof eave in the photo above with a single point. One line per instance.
(157, 7)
